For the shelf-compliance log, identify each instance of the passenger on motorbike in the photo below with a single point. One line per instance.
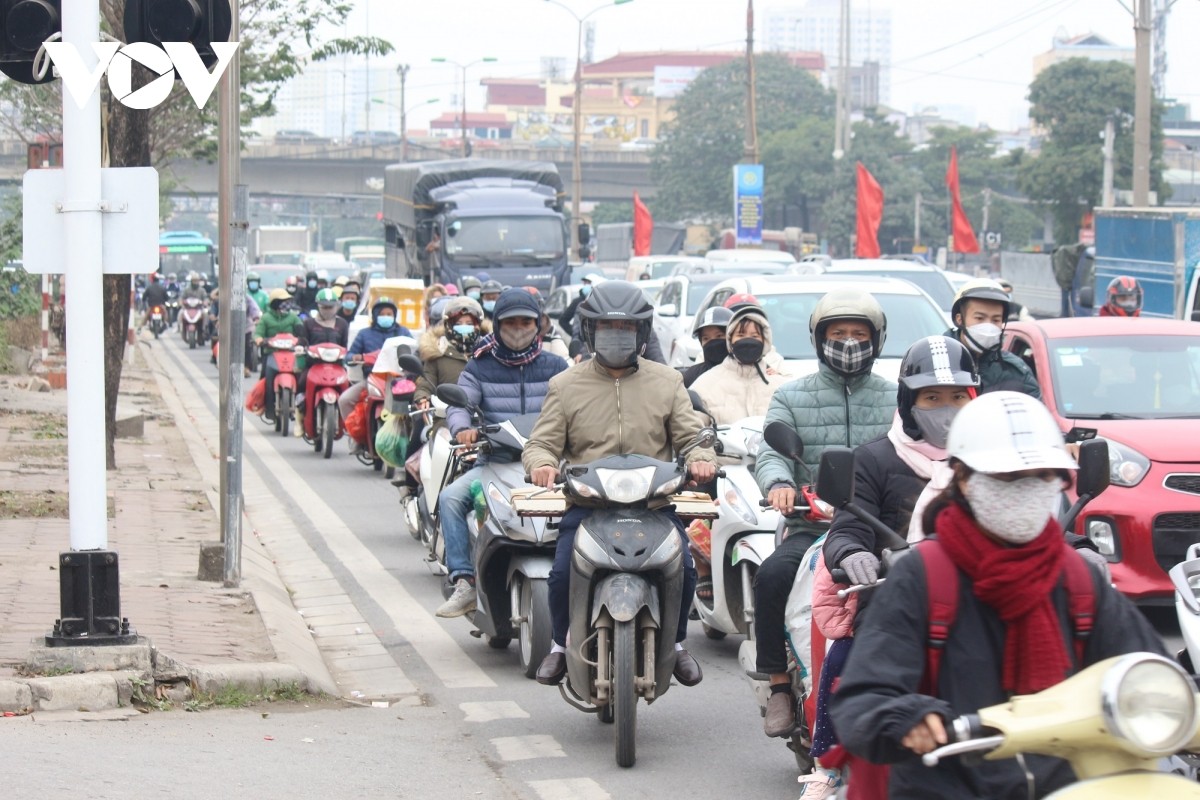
(370, 340)
(306, 295)
(445, 348)
(1012, 631)
(842, 403)
(276, 319)
(615, 403)
(489, 294)
(509, 375)
(980, 312)
(348, 304)
(472, 288)
(154, 295)
(709, 331)
(322, 279)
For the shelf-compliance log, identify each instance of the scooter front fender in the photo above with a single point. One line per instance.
(754, 548)
(535, 567)
(624, 595)
(1130, 784)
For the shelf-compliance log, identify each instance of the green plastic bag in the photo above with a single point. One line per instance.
(391, 442)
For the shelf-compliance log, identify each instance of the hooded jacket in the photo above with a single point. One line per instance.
(732, 390)
(443, 361)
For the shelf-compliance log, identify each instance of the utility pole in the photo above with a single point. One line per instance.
(1108, 200)
(402, 71)
(841, 130)
(987, 206)
(917, 222)
(1142, 97)
(751, 155)
(465, 151)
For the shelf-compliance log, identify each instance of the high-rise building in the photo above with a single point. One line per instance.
(334, 99)
(816, 25)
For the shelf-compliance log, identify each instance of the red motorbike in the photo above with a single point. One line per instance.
(398, 392)
(189, 321)
(326, 380)
(282, 347)
(158, 320)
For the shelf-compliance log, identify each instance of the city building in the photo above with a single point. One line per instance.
(333, 99)
(1087, 45)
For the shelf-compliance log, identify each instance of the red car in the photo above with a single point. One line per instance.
(1135, 383)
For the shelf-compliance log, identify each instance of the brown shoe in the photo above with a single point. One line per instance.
(687, 669)
(780, 719)
(552, 669)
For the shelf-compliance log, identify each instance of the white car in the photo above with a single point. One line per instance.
(751, 254)
(674, 313)
(788, 301)
(656, 266)
(931, 279)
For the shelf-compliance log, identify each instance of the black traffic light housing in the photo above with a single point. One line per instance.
(200, 22)
(24, 25)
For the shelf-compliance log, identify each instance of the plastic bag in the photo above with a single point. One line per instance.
(391, 441)
(256, 398)
(356, 424)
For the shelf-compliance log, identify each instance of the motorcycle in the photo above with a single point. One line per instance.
(190, 321)
(626, 584)
(158, 321)
(1185, 577)
(512, 553)
(325, 381)
(172, 307)
(388, 384)
(1112, 722)
(282, 349)
(440, 462)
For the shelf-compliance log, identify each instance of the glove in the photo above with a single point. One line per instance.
(1095, 560)
(861, 568)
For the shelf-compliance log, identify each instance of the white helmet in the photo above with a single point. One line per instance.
(1007, 432)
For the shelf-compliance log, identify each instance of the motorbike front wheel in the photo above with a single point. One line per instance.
(624, 696)
(283, 411)
(533, 635)
(191, 338)
(329, 422)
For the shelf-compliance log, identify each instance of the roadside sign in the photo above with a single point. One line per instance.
(991, 240)
(748, 203)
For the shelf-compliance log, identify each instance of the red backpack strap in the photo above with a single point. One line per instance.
(941, 589)
(1081, 599)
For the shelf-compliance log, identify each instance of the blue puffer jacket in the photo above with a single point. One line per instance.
(503, 392)
(370, 340)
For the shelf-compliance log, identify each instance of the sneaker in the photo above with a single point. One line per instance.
(820, 784)
(462, 601)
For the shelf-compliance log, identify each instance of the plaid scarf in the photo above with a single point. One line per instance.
(492, 344)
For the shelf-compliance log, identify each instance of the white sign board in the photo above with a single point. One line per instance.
(671, 81)
(130, 218)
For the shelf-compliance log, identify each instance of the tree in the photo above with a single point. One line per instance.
(693, 165)
(1072, 100)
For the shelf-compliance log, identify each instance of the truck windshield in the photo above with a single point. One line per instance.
(498, 237)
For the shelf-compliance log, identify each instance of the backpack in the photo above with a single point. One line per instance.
(941, 583)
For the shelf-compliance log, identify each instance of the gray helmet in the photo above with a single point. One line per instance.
(457, 306)
(491, 287)
(469, 283)
(847, 304)
(715, 317)
(615, 300)
(437, 310)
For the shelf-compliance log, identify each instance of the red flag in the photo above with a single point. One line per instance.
(643, 226)
(960, 226)
(870, 214)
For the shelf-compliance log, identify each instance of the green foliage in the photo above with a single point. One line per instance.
(608, 213)
(20, 292)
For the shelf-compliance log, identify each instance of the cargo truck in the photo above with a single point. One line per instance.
(1158, 246)
(444, 220)
(280, 244)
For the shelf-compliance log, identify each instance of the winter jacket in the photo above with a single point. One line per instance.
(261, 298)
(877, 702)
(316, 333)
(273, 322)
(826, 409)
(198, 292)
(732, 391)
(370, 340)
(502, 392)
(1002, 370)
(693, 373)
(155, 295)
(443, 362)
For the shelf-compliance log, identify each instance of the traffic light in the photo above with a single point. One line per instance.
(24, 25)
(200, 22)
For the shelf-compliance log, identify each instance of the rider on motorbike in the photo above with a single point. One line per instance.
(980, 311)
(1012, 632)
(154, 295)
(275, 319)
(348, 304)
(195, 290)
(306, 294)
(618, 402)
(253, 314)
(508, 376)
(369, 340)
(255, 290)
(1124, 298)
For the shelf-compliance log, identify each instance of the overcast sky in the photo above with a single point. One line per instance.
(953, 52)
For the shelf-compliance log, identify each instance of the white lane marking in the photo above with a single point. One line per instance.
(523, 748)
(569, 789)
(419, 627)
(492, 710)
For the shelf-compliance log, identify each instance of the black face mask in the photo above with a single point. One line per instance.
(747, 351)
(715, 351)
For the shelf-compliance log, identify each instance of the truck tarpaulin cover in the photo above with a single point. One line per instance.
(408, 187)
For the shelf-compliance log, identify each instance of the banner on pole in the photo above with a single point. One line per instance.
(748, 203)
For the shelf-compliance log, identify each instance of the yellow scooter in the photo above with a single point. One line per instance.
(1112, 722)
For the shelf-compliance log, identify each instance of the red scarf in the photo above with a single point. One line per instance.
(1017, 582)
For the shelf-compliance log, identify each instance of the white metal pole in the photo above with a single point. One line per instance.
(87, 500)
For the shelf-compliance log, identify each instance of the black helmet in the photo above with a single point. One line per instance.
(615, 300)
(380, 304)
(980, 289)
(491, 287)
(715, 317)
(932, 361)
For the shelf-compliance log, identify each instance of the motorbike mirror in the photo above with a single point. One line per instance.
(1087, 296)
(835, 477)
(410, 364)
(784, 440)
(705, 437)
(1094, 469)
(697, 403)
(452, 395)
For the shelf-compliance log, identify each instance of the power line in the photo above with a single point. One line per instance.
(1024, 15)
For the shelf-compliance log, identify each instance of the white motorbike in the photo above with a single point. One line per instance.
(1185, 576)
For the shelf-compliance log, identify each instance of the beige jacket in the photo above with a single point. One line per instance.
(732, 391)
(588, 415)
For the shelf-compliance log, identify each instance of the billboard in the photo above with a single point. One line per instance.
(748, 203)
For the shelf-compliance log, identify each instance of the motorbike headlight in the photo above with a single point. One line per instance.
(737, 501)
(329, 354)
(754, 440)
(582, 489)
(626, 485)
(669, 486)
(373, 390)
(1149, 703)
(1127, 466)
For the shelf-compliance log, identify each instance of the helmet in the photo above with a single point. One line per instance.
(172, 277)
(1005, 284)
(847, 304)
(1121, 286)
(932, 361)
(154, 277)
(1007, 432)
(292, 280)
(594, 278)
(380, 304)
(740, 299)
(451, 289)
(252, 276)
(492, 287)
(194, 276)
(278, 294)
(715, 317)
(470, 282)
(326, 297)
(457, 306)
(515, 303)
(980, 289)
(340, 280)
(615, 300)
(437, 310)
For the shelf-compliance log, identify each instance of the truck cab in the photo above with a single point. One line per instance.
(1160, 247)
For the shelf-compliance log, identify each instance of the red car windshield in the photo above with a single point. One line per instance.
(1143, 377)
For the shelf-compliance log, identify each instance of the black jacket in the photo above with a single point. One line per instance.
(316, 333)
(1001, 370)
(155, 295)
(695, 371)
(877, 703)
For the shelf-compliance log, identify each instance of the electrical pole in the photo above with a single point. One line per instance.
(402, 71)
(751, 155)
(1108, 200)
(576, 146)
(917, 222)
(841, 130)
(1142, 97)
(465, 152)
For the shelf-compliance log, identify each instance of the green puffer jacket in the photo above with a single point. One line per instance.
(825, 409)
(272, 322)
(1002, 370)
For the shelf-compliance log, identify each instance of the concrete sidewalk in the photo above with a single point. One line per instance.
(160, 511)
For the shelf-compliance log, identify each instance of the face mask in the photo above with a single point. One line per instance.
(464, 330)
(252, 286)
(848, 356)
(473, 294)
(747, 351)
(312, 284)
(1129, 306)
(616, 348)
(385, 322)
(291, 290)
(326, 312)
(1013, 511)
(277, 306)
(585, 291)
(715, 351)
(489, 306)
(349, 305)
(517, 339)
(983, 336)
(935, 423)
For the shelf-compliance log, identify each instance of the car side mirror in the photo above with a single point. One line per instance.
(835, 476)
(424, 234)
(1087, 296)
(1094, 468)
(668, 310)
(784, 440)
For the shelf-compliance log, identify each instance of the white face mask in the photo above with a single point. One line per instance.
(983, 336)
(1013, 511)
